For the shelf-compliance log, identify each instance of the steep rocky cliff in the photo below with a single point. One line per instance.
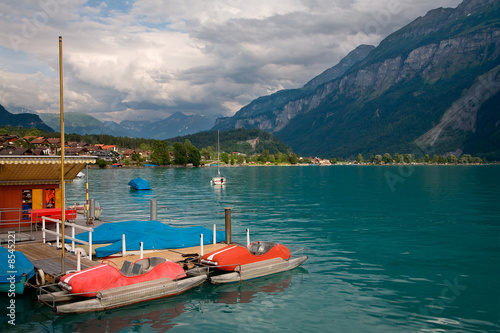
(426, 88)
(273, 112)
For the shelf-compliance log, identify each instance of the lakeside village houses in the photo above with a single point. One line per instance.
(40, 146)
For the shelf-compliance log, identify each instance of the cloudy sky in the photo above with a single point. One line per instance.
(147, 59)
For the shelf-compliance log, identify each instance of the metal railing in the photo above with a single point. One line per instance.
(72, 237)
(16, 218)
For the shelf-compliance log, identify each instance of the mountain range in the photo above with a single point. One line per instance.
(22, 120)
(431, 87)
(177, 124)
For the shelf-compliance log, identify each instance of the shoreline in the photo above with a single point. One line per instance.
(94, 166)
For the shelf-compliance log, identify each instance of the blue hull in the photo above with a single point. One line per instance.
(17, 287)
(15, 270)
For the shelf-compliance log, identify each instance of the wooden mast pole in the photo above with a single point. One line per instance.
(63, 200)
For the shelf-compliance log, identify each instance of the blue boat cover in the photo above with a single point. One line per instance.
(154, 235)
(139, 184)
(20, 266)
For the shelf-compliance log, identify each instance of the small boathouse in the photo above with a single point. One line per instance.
(29, 183)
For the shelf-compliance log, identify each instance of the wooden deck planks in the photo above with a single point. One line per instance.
(48, 259)
(37, 251)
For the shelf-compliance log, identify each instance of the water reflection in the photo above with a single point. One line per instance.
(155, 315)
(246, 291)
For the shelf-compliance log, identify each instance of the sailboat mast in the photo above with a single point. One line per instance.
(63, 200)
(218, 146)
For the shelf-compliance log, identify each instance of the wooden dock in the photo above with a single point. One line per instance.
(48, 258)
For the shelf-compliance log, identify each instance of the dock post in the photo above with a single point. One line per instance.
(153, 209)
(201, 245)
(43, 230)
(78, 262)
(57, 237)
(92, 209)
(124, 246)
(228, 224)
(215, 235)
(90, 245)
(73, 236)
(141, 253)
(248, 237)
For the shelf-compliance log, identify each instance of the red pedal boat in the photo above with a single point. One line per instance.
(105, 286)
(107, 276)
(242, 263)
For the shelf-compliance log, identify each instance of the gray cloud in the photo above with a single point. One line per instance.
(151, 58)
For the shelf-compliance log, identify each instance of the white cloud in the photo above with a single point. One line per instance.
(150, 58)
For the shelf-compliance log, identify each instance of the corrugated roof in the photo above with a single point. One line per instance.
(28, 170)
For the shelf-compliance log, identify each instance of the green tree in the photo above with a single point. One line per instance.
(180, 154)
(378, 159)
(452, 159)
(224, 158)
(136, 157)
(34, 132)
(205, 154)
(159, 153)
(212, 154)
(101, 163)
(264, 157)
(387, 158)
(408, 158)
(194, 157)
(359, 158)
(427, 158)
(477, 160)
(294, 159)
(193, 154)
(144, 146)
(280, 158)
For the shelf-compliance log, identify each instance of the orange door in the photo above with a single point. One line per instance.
(58, 198)
(37, 202)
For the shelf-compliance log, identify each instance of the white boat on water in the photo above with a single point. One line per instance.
(219, 180)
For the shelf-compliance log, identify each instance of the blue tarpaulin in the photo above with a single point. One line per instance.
(154, 235)
(16, 267)
(139, 184)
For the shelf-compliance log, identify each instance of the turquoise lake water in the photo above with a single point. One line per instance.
(391, 249)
